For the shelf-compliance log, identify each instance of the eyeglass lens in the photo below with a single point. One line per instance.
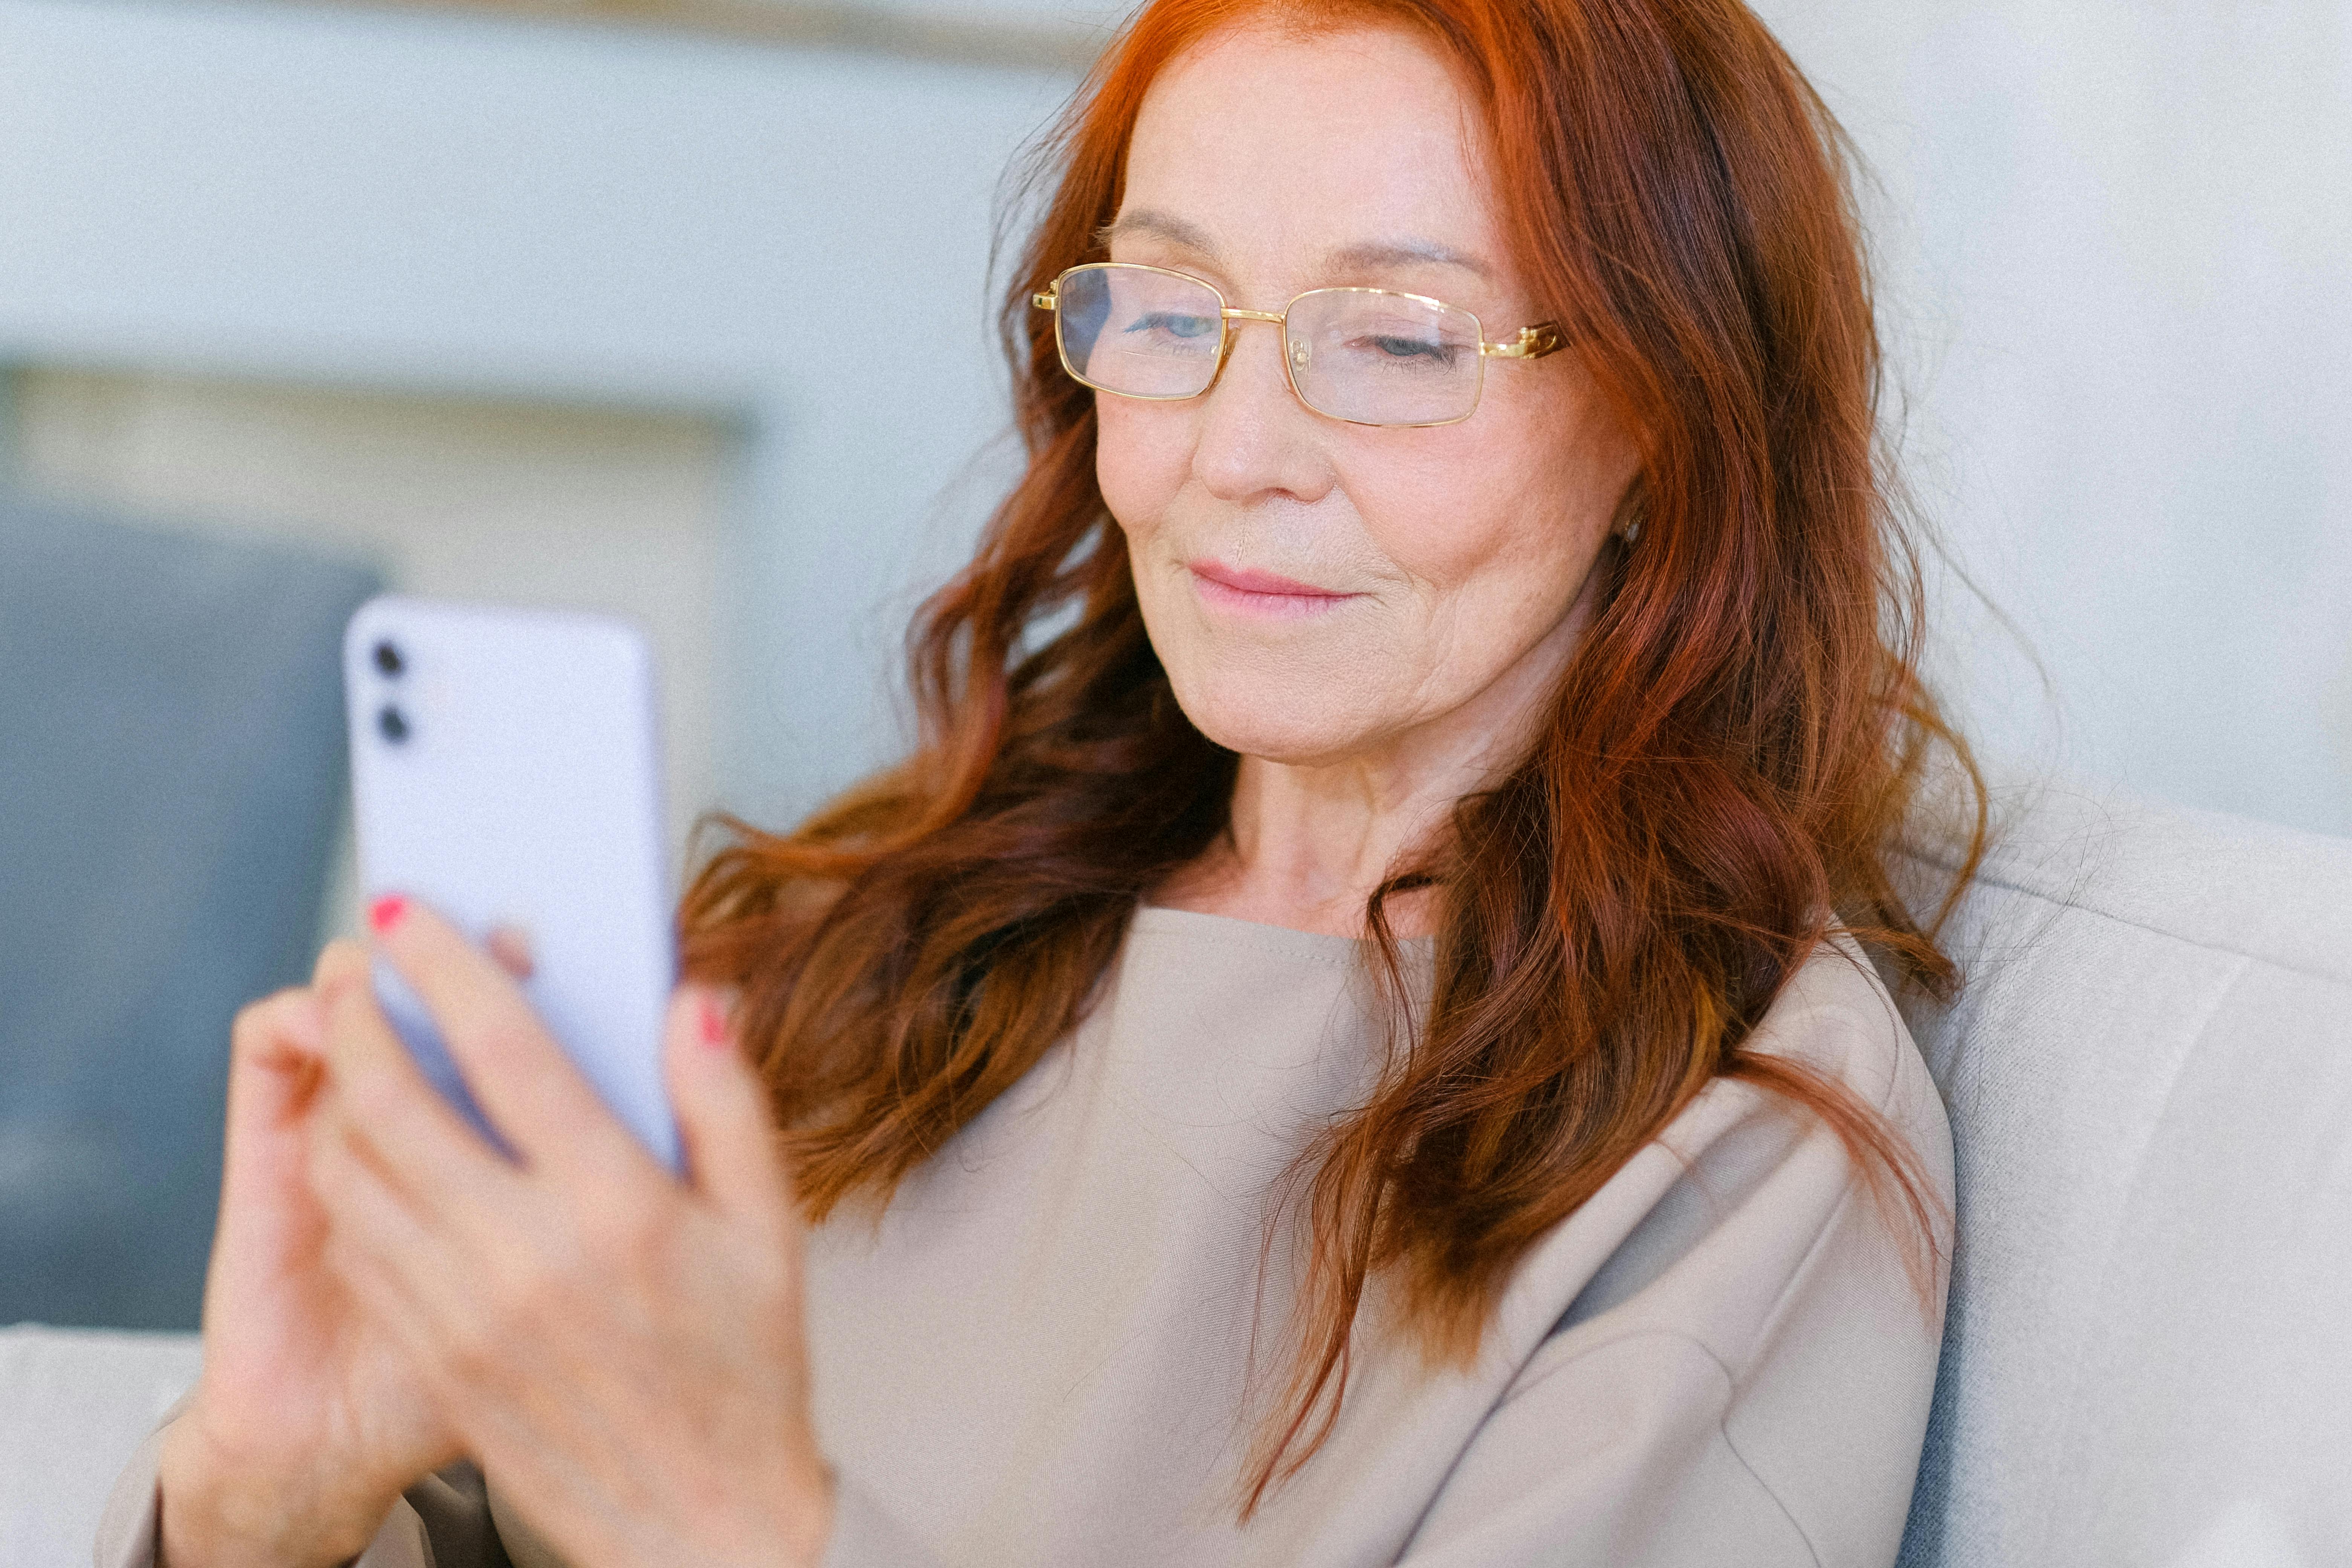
(1144, 333)
(1361, 354)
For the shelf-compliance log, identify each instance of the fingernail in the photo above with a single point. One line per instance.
(386, 912)
(714, 1025)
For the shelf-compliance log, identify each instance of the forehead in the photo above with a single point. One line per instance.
(1276, 144)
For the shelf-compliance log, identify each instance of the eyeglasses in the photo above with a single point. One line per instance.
(1370, 356)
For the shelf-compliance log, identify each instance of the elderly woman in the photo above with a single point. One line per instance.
(1353, 1040)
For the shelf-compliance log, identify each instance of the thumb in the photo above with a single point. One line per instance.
(722, 1111)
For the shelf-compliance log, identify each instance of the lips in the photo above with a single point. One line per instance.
(1262, 593)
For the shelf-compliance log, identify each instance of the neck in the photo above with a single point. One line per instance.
(1309, 843)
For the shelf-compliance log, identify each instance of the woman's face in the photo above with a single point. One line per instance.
(1319, 591)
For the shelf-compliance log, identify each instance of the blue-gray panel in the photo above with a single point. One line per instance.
(170, 776)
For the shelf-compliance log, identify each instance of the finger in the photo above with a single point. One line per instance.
(275, 1049)
(511, 946)
(380, 1096)
(449, 1301)
(525, 1084)
(339, 959)
(402, 1266)
(373, 1250)
(372, 1219)
(722, 1113)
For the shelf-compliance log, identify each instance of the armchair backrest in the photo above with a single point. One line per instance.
(2149, 1358)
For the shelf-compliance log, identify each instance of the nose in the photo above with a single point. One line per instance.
(1256, 439)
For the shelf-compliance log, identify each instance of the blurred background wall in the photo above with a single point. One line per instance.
(393, 275)
(450, 287)
(680, 308)
(2116, 241)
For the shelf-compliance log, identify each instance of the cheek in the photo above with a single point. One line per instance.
(1142, 453)
(1495, 529)
(1469, 524)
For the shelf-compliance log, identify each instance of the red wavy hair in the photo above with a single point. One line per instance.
(1728, 762)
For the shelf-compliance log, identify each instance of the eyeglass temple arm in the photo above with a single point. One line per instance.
(1533, 343)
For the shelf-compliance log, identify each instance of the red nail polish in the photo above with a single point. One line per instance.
(386, 912)
(714, 1024)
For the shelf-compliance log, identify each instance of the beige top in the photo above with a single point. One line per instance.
(1038, 1356)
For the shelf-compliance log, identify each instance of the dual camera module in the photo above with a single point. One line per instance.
(390, 722)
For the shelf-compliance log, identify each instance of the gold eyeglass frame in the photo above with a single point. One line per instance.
(1531, 343)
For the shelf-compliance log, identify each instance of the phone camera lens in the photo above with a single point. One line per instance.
(388, 659)
(394, 724)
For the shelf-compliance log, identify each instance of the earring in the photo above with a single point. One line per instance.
(1630, 532)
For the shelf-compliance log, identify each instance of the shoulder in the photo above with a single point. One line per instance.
(1747, 1201)
(1740, 1265)
(1835, 1016)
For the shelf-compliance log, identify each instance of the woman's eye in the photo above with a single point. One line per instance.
(1174, 325)
(1410, 348)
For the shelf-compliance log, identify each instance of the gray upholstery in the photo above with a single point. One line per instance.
(74, 1403)
(170, 776)
(2150, 1355)
(2149, 1361)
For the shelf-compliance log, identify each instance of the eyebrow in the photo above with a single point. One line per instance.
(1368, 254)
(1191, 236)
(1406, 253)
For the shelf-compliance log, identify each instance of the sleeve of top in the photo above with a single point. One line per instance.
(442, 1521)
(1618, 1456)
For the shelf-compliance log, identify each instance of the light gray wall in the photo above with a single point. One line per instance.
(2118, 241)
(2115, 238)
(797, 242)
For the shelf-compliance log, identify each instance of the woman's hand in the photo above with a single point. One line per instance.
(307, 1421)
(620, 1352)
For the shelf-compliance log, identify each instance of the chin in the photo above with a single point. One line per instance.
(1281, 719)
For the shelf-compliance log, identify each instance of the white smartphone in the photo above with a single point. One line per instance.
(506, 769)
